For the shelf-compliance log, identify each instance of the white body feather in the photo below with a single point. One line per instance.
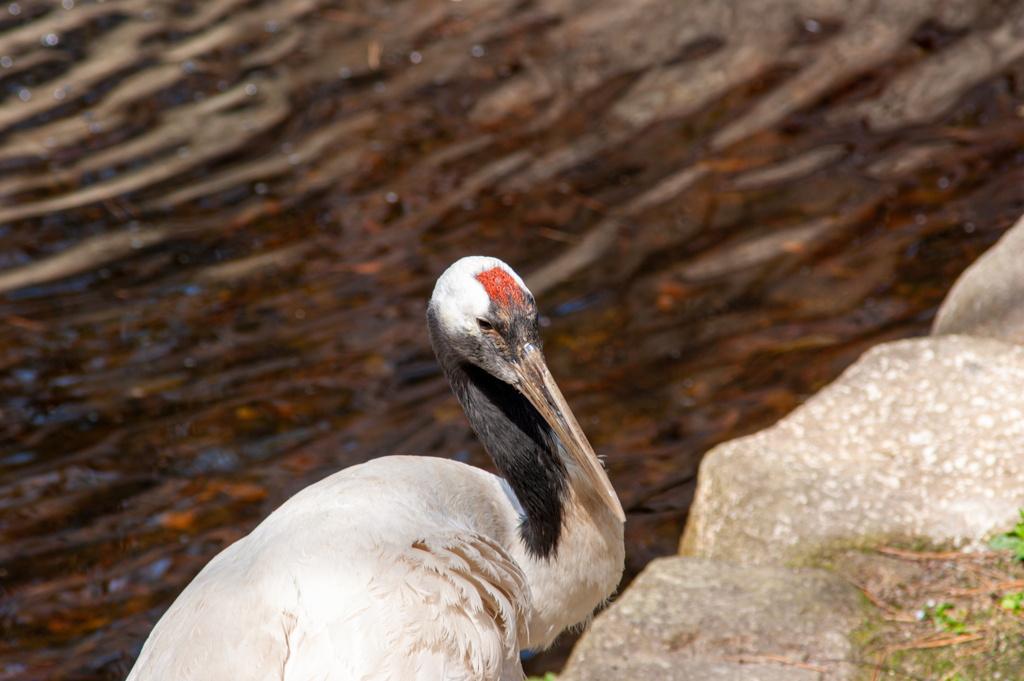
(401, 568)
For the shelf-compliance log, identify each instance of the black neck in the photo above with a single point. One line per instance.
(522, 446)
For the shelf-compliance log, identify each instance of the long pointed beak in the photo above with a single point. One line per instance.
(538, 386)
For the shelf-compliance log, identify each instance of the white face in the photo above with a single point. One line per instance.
(459, 299)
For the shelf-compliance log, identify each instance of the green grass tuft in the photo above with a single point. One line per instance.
(1012, 541)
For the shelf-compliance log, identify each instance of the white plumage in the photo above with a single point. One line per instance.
(406, 567)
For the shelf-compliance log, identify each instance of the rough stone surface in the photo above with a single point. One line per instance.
(919, 440)
(988, 298)
(692, 619)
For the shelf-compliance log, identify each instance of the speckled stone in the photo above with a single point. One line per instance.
(689, 619)
(920, 439)
(988, 298)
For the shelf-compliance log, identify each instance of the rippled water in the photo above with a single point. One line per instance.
(220, 223)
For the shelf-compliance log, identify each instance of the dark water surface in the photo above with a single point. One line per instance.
(220, 223)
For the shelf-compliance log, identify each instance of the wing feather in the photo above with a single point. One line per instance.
(475, 604)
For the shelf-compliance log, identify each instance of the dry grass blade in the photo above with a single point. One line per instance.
(894, 614)
(1002, 586)
(877, 669)
(938, 643)
(989, 578)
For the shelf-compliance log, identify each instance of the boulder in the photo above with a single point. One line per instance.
(988, 298)
(692, 619)
(920, 442)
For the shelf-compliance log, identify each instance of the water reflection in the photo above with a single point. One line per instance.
(218, 244)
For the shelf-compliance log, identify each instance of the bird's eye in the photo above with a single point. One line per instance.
(484, 325)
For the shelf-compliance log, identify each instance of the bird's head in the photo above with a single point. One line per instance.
(481, 313)
(487, 316)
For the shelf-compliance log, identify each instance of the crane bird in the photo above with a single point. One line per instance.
(411, 567)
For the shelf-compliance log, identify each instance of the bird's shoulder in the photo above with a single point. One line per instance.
(394, 498)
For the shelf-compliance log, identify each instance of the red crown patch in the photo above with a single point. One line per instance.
(501, 288)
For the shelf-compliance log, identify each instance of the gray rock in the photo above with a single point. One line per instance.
(919, 440)
(988, 298)
(692, 619)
